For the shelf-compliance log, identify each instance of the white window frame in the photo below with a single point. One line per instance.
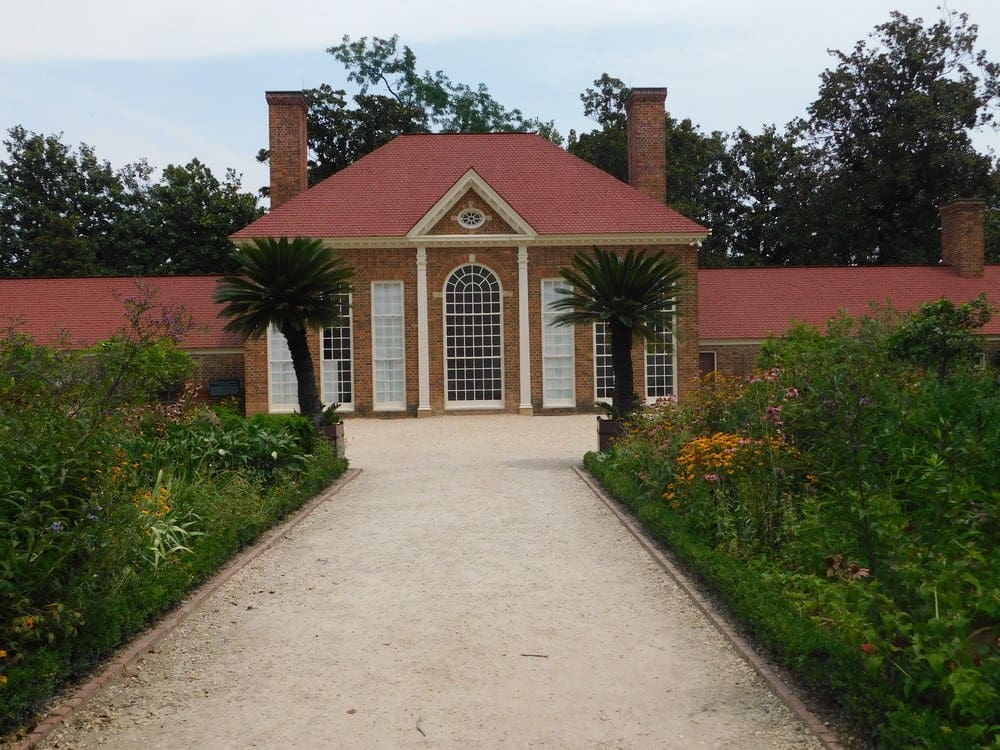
(399, 404)
(552, 332)
(327, 364)
(652, 398)
(458, 405)
(598, 356)
(272, 405)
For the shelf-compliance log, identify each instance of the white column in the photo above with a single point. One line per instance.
(524, 330)
(423, 339)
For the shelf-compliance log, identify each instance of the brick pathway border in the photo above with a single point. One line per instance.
(136, 649)
(743, 648)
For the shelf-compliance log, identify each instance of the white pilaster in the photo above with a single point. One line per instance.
(423, 339)
(524, 330)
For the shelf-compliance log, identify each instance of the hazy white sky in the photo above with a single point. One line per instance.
(170, 81)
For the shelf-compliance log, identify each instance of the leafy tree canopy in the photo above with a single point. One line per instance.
(856, 181)
(340, 131)
(891, 129)
(64, 212)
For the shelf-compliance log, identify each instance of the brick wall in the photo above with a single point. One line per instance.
(400, 265)
(735, 359)
(647, 141)
(963, 239)
(288, 144)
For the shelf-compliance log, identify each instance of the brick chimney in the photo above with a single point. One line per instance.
(647, 141)
(286, 115)
(963, 238)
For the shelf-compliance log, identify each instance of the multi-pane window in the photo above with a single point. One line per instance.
(604, 373)
(660, 363)
(387, 345)
(281, 377)
(473, 341)
(336, 369)
(557, 349)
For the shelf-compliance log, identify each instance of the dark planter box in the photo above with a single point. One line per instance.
(607, 431)
(335, 434)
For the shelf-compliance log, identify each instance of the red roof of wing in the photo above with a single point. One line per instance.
(753, 303)
(388, 191)
(91, 309)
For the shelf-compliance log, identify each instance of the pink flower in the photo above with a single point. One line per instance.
(791, 393)
(868, 648)
(713, 477)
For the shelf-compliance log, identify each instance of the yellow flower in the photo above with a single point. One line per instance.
(3, 653)
(3, 679)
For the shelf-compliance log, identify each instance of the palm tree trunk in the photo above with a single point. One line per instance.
(623, 400)
(310, 405)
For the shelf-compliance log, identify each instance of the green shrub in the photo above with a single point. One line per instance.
(112, 509)
(843, 503)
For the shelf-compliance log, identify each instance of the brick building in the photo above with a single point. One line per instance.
(457, 241)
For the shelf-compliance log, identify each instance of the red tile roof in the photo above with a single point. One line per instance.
(752, 303)
(91, 309)
(387, 192)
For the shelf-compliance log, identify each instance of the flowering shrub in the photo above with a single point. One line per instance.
(864, 488)
(111, 507)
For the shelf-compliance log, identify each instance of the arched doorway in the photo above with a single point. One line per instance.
(473, 323)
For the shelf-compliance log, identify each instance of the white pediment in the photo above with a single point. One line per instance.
(522, 230)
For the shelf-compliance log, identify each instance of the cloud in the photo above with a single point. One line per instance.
(189, 29)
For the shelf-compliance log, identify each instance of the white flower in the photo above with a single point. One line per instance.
(274, 455)
(222, 451)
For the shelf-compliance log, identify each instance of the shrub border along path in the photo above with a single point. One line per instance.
(742, 647)
(145, 643)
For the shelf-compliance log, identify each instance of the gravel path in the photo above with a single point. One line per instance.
(466, 591)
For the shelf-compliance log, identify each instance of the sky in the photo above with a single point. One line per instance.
(172, 81)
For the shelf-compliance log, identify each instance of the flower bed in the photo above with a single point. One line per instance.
(111, 509)
(844, 503)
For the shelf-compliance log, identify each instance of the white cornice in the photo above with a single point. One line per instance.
(469, 181)
(509, 240)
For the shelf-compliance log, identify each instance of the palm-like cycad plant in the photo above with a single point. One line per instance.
(635, 295)
(294, 285)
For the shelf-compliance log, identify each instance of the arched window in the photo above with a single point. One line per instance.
(473, 338)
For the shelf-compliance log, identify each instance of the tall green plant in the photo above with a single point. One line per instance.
(293, 285)
(635, 294)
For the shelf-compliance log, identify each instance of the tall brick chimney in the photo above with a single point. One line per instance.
(963, 237)
(647, 141)
(286, 115)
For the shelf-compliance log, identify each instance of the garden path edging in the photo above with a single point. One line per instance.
(742, 647)
(139, 647)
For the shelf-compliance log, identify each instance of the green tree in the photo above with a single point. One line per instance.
(776, 216)
(64, 212)
(294, 286)
(449, 107)
(186, 221)
(341, 131)
(940, 335)
(891, 127)
(56, 206)
(636, 295)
